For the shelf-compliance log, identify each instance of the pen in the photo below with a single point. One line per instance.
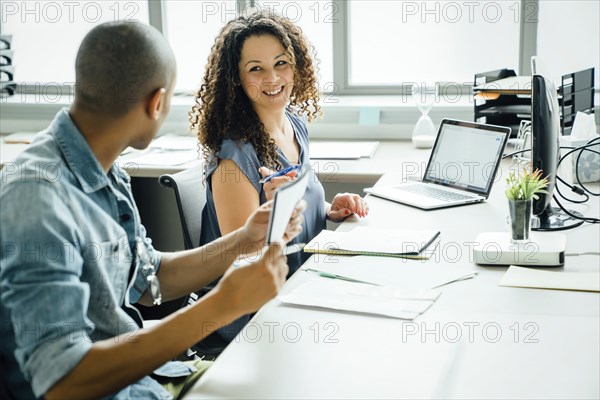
(293, 248)
(340, 277)
(283, 172)
(286, 251)
(462, 278)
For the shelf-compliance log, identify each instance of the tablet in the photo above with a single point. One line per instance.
(284, 202)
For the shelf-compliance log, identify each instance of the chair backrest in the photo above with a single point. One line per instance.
(190, 194)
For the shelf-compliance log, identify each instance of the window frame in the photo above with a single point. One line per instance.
(341, 53)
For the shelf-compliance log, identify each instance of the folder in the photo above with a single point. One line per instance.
(413, 244)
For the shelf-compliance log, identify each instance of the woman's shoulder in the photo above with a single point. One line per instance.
(240, 152)
(297, 115)
(299, 121)
(232, 147)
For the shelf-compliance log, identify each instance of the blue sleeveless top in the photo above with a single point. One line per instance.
(245, 157)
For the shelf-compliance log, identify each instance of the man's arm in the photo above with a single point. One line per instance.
(186, 271)
(115, 363)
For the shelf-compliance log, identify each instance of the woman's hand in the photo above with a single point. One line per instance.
(346, 204)
(270, 187)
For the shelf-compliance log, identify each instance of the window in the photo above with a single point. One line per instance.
(396, 42)
(567, 39)
(315, 18)
(46, 35)
(191, 28)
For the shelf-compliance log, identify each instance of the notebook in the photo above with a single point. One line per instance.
(413, 244)
(461, 169)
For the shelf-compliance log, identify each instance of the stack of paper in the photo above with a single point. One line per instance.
(371, 241)
(357, 297)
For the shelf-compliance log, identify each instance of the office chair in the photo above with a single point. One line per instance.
(190, 195)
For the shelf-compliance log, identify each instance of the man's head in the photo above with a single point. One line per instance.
(123, 66)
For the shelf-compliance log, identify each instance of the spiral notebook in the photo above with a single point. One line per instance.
(414, 244)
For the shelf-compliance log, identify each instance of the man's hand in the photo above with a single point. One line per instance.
(270, 187)
(248, 287)
(255, 229)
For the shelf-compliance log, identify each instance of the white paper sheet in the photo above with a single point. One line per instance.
(541, 279)
(163, 158)
(393, 272)
(342, 150)
(357, 297)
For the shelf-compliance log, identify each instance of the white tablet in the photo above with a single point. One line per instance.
(284, 202)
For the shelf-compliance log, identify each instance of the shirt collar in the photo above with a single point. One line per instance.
(77, 153)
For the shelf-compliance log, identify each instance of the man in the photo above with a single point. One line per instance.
(75, 255)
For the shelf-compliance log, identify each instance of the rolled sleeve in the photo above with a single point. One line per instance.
(40, 284)
(140, 283)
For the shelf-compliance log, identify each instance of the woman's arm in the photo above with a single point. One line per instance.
(234, 195)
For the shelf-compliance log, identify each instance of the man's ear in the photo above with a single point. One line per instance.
(156, 103)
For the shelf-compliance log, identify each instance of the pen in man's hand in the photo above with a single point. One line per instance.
(283, 172)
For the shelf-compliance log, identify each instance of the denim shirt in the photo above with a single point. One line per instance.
(68, 268)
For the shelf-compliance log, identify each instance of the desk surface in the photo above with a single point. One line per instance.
(479, 340)
(363, 171)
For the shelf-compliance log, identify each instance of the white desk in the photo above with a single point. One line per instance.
(515, 343)
(363, 171)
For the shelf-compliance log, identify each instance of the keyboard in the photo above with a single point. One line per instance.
(435, 193)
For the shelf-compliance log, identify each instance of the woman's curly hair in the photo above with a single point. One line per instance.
(222, 110)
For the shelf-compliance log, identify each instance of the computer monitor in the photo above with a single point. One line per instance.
(545, 132)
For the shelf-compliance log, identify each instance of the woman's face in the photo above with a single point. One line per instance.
(266, 73)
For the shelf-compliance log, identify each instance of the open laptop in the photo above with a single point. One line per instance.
(461, 169)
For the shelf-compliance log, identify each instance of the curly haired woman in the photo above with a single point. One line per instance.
(259, 90)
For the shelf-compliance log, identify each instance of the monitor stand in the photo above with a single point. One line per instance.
(554, 219)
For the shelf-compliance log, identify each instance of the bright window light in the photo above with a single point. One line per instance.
(397, 42)
(191, 28)
(47, 34)
(568, 37)
(316, 19)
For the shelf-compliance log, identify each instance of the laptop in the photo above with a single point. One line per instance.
(461, 169)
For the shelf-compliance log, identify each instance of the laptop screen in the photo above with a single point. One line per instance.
(466, 155)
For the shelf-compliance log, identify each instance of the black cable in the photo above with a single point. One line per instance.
(581, 149)
(591, 142)
(584, 219)
(575, 189)
(514, 153)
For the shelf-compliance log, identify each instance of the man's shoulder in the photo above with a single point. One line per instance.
(41, 161)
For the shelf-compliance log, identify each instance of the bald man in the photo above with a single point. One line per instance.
(75, 256)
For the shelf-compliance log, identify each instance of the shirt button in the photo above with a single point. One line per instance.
(115, 247)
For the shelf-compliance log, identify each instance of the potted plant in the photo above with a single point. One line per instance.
(521, 189)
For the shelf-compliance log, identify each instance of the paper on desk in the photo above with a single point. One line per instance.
(393, 272)
(541, 279)
(175, 142)
(357, 297)
(164, 158)
(342, 150)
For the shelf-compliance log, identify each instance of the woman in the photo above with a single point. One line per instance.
(258, 92)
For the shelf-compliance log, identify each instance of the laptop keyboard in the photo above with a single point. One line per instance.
(435, 193)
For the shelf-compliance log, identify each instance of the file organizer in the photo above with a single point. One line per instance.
(508, 106)
(576, 93)
(7, 70)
